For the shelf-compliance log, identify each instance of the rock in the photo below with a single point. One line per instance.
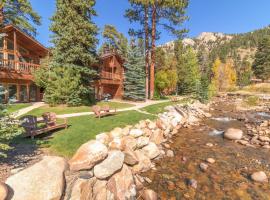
(151, 150)
(157, 137)
(160, 124)
(88, 155)
(43, 180)
(116, 133)
(136, 133)
(103, 138)
(130, 157)
(16, 170)
(116, 144)
(100, 190)
(243, 142)
(82, 189)
(129, 142)
(266, 146)
(110, 165)
(122, 185)
(126, 130)
(259, 177)
(184, 159)
(170, 185)
(147, 132)
(149, 195)
(170, 153)
(203, 167)
(193, 183)
(138, 182)
(142, 141)
(233, 134)
(152, 125)
(3, 191)
(144, 162)
(210, 160)
(264, 139)
(209, 144)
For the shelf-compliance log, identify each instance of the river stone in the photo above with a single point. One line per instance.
(122, 185)
(3, 191)
(136, 133)
(142, 141)
(82, 189)
(144, 162)
(130, 157)
(149, 195)
(110, 165)
(43, 180)
(88, 155)
(151, 150)
(233, 134)
(259, 177)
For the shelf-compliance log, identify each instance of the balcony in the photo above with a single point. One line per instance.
(17, 67)
(110, 76)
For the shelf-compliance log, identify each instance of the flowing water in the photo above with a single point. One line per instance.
(227, 178)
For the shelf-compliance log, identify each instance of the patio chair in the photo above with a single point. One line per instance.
(103, 111)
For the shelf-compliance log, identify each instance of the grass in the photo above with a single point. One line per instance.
(252, 101)
(62, 109)
(258, 88)
(15, 107)
(85, 128)
(160, 107)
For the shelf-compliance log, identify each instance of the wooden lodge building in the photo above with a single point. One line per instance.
(20, 55)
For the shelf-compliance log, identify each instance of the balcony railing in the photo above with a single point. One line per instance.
(109, 75)
(21, 67)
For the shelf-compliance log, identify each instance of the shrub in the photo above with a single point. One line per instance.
(252, 101)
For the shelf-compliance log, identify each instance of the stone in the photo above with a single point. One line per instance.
(259, 177)
(138, 182)
(43, 180)
(100, 190)
(142, 141)
(170, 153)
(81, 189)
(136, 133)
(243, 142)
(144, 162)
(152, 125)
(151, 150)
(126, 130)
(203, 167)
(193, 183)
(233, 134)
(266, 146)
(157, 137)
(3, 191)
(103, 138)
(130, 157)
(264, 138)
(122, 185)
(148, 194)
(209, 144)
(160, 124)
(129, 142)
(88, 155)
(210, 160)
(116, 144)
(110, 165)
(116, 133)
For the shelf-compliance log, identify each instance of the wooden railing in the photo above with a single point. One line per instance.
(21, 67)
(109, 75)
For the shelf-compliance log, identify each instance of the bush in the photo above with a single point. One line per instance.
(252, 101)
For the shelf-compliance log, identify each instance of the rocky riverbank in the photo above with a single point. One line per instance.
(109, 167)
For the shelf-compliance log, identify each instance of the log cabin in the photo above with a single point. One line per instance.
(111, 75)
(20, 55)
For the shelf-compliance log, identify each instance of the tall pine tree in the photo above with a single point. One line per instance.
(134, 84)
(261, 65)
(74, 50)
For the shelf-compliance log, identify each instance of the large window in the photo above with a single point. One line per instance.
(23, 93)
(12, 93)
(33, 93)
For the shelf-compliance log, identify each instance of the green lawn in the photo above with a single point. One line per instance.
(15, 107)
(159, 108)
(62, 109)
(84, 128)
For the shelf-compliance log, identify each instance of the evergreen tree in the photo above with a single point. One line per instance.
(261, 65)
(20, 14)
(134, 84)
(188, 71)
(74, 50)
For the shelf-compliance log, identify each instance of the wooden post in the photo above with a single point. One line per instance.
(28, 92)
(15, 49)
(5, 48)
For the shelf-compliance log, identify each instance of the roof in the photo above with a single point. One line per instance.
(28, 40)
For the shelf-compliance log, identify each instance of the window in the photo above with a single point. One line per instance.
(11, 57)
(23, 93)
(33, 93)
(1, 56)
(1, 43)
(23, 51)
(2, 93)
(12, 93)
(10, 45)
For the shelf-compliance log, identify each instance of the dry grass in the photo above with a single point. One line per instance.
(258, 88)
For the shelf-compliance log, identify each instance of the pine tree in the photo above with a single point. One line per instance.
(261, 65)
(134, 84)
(20, 14)
(75, 43)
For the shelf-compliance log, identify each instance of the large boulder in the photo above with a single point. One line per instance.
(103, 138)
(3, 191)
(88, 155)
(233, 134)
(122, 185)
(136, 133)
(151, 150)
(110, 165)
(144, 162)
(43, 181)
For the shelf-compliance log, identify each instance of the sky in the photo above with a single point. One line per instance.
(227, 16)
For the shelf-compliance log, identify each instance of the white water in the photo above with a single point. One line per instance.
(216, 132)
(223, 119)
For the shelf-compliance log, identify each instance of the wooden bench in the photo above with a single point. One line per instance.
(174, 98)
(30, 124)
(103, 111)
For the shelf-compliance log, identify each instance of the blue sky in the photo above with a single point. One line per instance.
(228, 16)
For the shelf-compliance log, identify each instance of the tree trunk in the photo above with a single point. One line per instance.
(146, 31)
(153, 54)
